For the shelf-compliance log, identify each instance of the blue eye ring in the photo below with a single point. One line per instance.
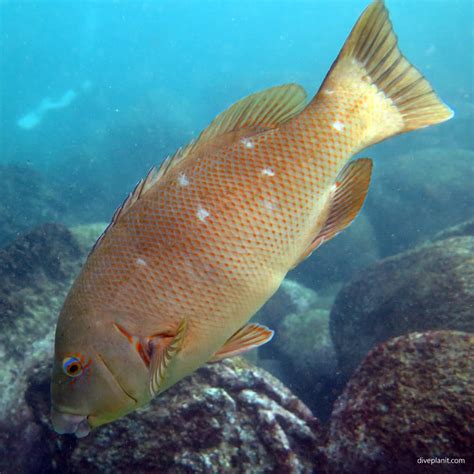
(72, 366)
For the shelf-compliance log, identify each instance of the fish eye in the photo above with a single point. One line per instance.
(72, 366)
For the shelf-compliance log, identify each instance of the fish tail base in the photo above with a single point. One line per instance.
(396, 96)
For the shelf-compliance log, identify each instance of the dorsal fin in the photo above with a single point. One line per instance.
(254, 114)
(345, 202)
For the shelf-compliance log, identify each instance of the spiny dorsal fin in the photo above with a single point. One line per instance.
(161, 359)
(346, 200)
(253, 114)
(249, 337)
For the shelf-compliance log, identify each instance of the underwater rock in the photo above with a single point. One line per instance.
(415, 195)
(27, 200)
(304, 346)
(307, 344)
(86, 235)
(291, 297)
(301, 353)
(36, 271)
(340, 258)
(463, 229)
(412, 398)
(430, 287)
(227, 417)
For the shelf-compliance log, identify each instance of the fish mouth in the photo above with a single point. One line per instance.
(72, 424)
(81, 425)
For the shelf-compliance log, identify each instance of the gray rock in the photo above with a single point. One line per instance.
(465, 228)
(36, 271)
(430, 287)
(292, 297)
(301, 354)
(413, 196)
(306, 344)
(412, 398)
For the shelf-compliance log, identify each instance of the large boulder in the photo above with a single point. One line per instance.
(415, 195)
(227, 417)
(408, 408)
(430, 287)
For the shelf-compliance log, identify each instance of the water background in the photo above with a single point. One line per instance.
(145, 77)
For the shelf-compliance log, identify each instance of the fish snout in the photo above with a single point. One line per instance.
(66, 423)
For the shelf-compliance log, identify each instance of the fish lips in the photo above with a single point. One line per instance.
(66, 423)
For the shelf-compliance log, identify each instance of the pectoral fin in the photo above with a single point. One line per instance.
(345, 202)
(162, 356)
(249, 337)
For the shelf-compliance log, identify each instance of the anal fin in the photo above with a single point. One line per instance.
(249, 337)
(345, 201)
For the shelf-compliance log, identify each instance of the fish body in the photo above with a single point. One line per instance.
(202, 243)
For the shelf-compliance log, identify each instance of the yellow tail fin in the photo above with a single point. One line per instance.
(370, 63)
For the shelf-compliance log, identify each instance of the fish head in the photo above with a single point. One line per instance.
(95, 379)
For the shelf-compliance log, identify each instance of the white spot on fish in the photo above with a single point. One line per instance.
(328, 91)
(202, 214)
(271, 206)
(339, 126)
(268, 172)
(140, 261)
(183, 179)
(247, 143)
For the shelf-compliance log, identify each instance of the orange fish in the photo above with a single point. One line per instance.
(202, 243)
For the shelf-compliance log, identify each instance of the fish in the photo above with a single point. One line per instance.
(206, 239)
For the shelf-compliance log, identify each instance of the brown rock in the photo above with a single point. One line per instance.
(227, 417)
(430, 287)
(412, 398)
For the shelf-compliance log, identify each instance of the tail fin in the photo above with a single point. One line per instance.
(371, 57)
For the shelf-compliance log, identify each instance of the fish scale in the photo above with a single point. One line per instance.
(203, 242)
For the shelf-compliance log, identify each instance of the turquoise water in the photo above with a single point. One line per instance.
(94, 93)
